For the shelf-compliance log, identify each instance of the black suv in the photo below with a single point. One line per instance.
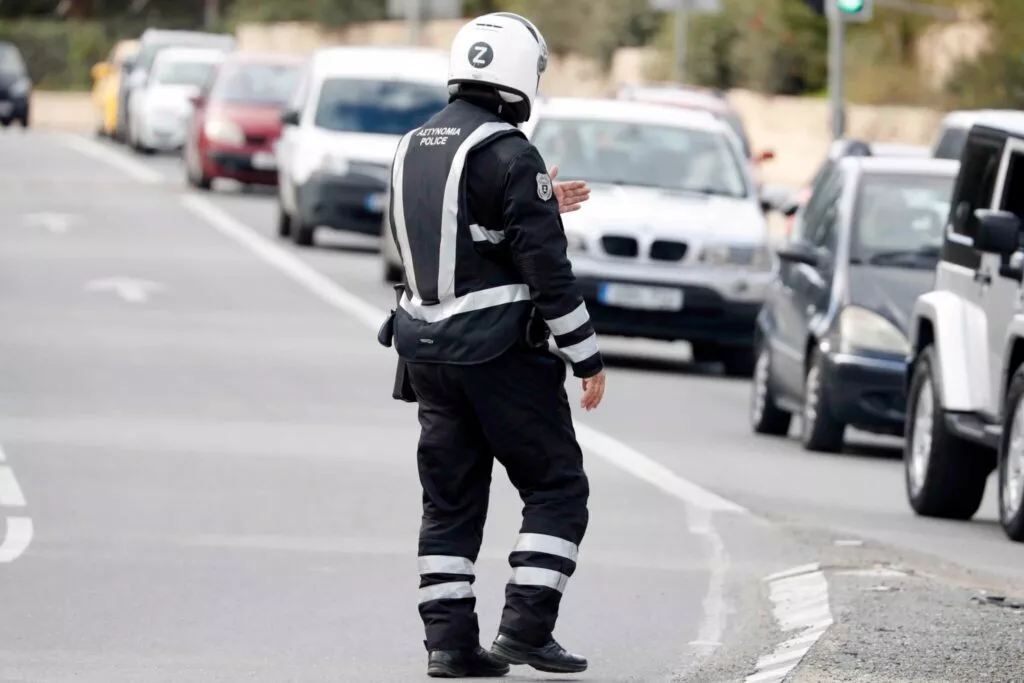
(15, 86)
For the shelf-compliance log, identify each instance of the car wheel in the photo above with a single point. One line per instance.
(1011, 461)
(302, 235)
(24, 122)
(195, 175)
(393, 274)
(5, 122)
(820, 431)
(765, 416)
(944, 474)
(284, 222)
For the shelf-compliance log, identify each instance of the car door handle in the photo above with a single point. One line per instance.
(983, 276)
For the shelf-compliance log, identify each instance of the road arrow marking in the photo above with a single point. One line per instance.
(57, 223)
(130, 289)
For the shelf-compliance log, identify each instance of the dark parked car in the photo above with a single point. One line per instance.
(832, 334)
(15, 86)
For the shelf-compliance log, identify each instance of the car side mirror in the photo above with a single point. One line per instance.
(998, 232)
(799, 252)
(290, 117)
(198, 101)
(128, 64)
(100, 71)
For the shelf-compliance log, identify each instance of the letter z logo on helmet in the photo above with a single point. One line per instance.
(481, 55)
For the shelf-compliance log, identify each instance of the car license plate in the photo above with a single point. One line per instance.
(645, 298)
(6, 108)
(375, 202)
(264, 161)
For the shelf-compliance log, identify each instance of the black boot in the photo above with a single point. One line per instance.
(550, 658)
(474, 663)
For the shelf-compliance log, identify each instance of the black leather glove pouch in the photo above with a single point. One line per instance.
(402, 391)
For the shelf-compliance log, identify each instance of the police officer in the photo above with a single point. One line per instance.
(476, 219)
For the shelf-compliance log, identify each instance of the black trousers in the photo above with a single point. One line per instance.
(513, 409)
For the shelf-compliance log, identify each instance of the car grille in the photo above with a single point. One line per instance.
(628, 247)
(616, 245)
(257, 140)
(663, 250)
(381, 172)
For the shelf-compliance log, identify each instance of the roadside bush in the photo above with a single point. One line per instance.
(59, 55)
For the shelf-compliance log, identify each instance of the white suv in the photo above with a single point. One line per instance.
(965, 412)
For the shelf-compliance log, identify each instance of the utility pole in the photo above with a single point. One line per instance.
(211, 13)
(414, 14)
(682, 27)
(836, 69)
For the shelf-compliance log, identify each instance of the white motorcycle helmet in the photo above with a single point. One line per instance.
(504, 51)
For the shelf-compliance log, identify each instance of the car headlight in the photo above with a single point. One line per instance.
(755, 257)
(223, 132)
(864, 330)
(20, 88)
(337, 165)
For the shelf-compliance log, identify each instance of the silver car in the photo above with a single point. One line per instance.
(673, 244)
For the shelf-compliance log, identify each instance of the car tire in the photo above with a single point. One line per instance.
(284, 223)
(944, 474)
(765, 415)
(393, 274)
(820, 431)
(195, 177)
(1011, 461)
(302, 235)
(4, 123)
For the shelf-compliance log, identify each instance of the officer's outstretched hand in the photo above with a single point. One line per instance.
(570, 193)
(593, 391)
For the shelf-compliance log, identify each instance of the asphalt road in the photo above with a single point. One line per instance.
(206, 479)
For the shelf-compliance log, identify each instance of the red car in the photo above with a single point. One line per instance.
(237, 120)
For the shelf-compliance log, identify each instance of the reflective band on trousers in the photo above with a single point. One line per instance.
(549, 545)
(445, 564)
(570, 321)
(453, 590)
(535, 576)
(582, 351)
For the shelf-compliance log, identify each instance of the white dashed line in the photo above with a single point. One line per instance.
(801, 603)
(18, 531)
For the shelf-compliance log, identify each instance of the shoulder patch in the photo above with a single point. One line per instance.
(544, 188)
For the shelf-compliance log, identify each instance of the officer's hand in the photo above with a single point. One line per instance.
(570, 194)
(593, 391)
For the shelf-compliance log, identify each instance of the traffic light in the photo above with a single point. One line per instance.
(858, 11)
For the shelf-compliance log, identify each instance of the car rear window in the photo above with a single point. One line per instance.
(11, 63)
(382, 107)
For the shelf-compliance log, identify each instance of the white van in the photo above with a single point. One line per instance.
(341, 132)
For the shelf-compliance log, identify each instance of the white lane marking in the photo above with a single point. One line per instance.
(130, 289)
(801, 603)
(99, 152)
(10, 492)
(16, 540)
(700, 503)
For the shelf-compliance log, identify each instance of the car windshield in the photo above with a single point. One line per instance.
(900, 219)
(951, 144)
(151, 48)
(380, 107)
(270, 84)
(11, 63)
(182, 73)
(629, 153)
